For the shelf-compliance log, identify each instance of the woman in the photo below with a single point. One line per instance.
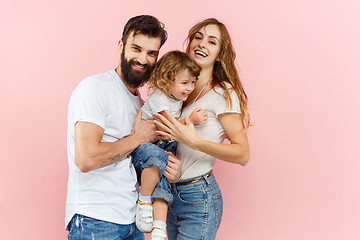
(197, 207)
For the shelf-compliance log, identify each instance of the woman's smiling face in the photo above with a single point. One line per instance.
(205, 46)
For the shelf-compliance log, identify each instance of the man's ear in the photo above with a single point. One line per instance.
(120, 46)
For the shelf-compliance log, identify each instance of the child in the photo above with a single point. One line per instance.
(173, 79)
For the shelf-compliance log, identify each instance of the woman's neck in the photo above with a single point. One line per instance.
(203, 78)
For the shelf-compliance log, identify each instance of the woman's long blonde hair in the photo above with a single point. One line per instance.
(224, 69)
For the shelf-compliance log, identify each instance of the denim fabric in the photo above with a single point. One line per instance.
(196, 210)
(153, 154)
(86, 228)
(167, 145)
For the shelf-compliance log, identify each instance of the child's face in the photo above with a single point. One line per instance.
(184, 84)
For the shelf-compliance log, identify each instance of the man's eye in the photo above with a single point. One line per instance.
(153, 54)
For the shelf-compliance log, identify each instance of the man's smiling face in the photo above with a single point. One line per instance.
(138, 58)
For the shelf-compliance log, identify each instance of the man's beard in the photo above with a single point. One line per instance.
(133, 78)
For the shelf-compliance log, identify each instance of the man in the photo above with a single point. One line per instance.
(104, 126)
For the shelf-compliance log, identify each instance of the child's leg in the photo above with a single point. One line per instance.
(160, 212)
(153, 161)
(160, 207)
(145, 209)
(162, 197)
(149, 178)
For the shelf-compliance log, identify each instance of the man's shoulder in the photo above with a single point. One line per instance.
(95, 86)
(97, 82)
(101, 78)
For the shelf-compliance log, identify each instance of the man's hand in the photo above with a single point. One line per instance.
(198, 116)
(172, 171)
(145, 131)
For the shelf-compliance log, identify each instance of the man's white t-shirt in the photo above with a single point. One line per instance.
(158, 102)
(108, 193)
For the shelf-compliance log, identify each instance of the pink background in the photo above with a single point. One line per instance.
(299, 62)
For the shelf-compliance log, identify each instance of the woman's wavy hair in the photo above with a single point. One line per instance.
(224, 70)
(170, 64)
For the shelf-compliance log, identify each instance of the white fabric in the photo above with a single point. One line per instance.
(108, 193)
(158, 102)
(196, 163)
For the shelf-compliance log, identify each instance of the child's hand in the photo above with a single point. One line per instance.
(198, 116)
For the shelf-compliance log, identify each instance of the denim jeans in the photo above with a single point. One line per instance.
(86, 228)
(196, 210)
(153, 154)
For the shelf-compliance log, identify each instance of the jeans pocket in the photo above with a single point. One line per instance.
(70, 228)
(218, 202)
(195, 195)
(73, 228)
(89, 220)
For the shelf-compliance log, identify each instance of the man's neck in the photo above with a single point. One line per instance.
(132, 90)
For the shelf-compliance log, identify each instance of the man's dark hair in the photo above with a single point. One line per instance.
(147, 25)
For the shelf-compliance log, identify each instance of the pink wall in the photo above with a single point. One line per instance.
(299, 62)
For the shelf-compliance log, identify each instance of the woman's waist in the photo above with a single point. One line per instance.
(205, 182)
(183, 182)
(192, 167)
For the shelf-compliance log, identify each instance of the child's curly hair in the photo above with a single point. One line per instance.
(168, 66)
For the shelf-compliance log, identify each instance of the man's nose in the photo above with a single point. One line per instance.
(143, 58)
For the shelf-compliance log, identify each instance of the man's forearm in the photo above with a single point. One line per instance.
(123, 148)
(91, 153)
(89, 157)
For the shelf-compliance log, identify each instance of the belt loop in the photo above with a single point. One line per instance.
(174, 186)
(77, 220)
(206, 178)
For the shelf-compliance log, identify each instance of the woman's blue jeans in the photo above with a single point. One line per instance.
(196, 210)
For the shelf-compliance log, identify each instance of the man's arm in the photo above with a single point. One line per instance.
(91, 153)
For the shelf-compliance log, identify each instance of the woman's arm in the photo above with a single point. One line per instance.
(236, 152)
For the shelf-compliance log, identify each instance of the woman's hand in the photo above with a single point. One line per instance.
(171, 128)
(172, 171)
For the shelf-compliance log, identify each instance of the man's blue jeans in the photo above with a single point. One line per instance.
(153, 154)
(86, 228)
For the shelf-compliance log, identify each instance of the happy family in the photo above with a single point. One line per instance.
(138, 167)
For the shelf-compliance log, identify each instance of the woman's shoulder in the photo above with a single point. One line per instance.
(218, 89)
